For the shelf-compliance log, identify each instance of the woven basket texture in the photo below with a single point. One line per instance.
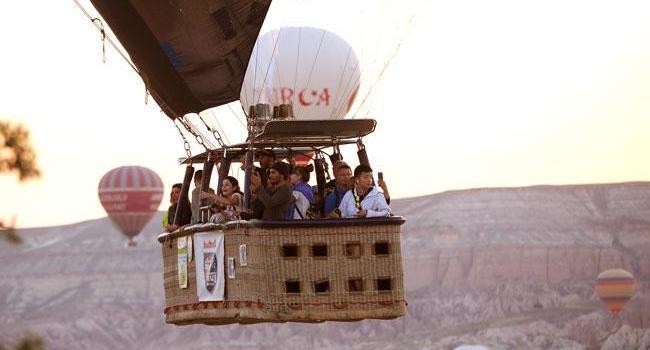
(358, 262)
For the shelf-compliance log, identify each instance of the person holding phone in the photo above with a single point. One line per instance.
(277, 196)
(364, 200)
(383, 186)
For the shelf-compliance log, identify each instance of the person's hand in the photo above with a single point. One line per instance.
(333, 215)
(224, 201)
(382, 184)
(207, 195)
(361, 213)
(384, 188)
(171, 228)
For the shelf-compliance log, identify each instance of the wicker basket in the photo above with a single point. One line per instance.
(302, 271)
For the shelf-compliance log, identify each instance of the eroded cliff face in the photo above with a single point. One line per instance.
(505, 268)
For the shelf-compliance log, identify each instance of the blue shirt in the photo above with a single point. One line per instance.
(304, 189)
(332, 202)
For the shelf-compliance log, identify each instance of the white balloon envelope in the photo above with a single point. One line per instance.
(314, 70)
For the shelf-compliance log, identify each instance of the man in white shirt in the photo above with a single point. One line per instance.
(364, 200)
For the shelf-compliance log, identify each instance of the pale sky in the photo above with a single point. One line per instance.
(482, 94)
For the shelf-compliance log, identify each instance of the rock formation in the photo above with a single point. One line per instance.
(506, 268)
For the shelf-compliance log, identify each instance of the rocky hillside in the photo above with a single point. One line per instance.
(504, 268)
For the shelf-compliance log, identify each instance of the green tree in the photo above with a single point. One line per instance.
(16, 152)
(28, 342)
(9, 233)
(16, 155)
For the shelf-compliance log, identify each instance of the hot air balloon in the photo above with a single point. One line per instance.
(193, 58)
(615, 287)
(130, 195)
(312, 69)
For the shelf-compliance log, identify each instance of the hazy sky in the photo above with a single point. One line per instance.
(482, 94)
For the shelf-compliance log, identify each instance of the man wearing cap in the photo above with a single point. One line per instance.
(277, 195)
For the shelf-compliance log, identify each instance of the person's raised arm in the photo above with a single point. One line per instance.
(384, 189)
(282, 195)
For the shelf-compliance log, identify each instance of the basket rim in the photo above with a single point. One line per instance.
(233, 225)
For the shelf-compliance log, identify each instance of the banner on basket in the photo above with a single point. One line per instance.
(182, 262)
(209, 262)
(243, 258)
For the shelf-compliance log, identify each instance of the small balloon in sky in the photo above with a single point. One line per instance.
(615, 287)
(130, 195)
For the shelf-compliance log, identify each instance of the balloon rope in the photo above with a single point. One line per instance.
(237, 116)
(186, 144)
(217, 135)
(251, 36)
(248, 98)
(104, 36)
(268, 68)
(295, 74)
(277, 67)
(349, 86)
(339, 93)
(313, 65)
(189, 126)
(201, 138)
(383, 70)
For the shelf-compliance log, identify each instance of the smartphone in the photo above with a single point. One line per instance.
(380, 175)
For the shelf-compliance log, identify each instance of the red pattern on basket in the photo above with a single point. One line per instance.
(260, 304)
(295, 306)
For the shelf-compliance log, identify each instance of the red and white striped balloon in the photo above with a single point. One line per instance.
(130, 195)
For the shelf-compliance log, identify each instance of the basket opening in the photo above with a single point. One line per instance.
(292, 286)
(353, 249)
(322, 286)
(382, 248)
(355, 285)
(319, 250)
(384, 284)
(290, 250)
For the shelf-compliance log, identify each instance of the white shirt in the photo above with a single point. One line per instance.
(374, 203)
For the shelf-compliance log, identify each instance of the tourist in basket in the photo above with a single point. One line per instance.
(364, 200)
(277, 195)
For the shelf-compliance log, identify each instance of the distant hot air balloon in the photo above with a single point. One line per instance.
(615, 287)
(314, 70)
(130, 195)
